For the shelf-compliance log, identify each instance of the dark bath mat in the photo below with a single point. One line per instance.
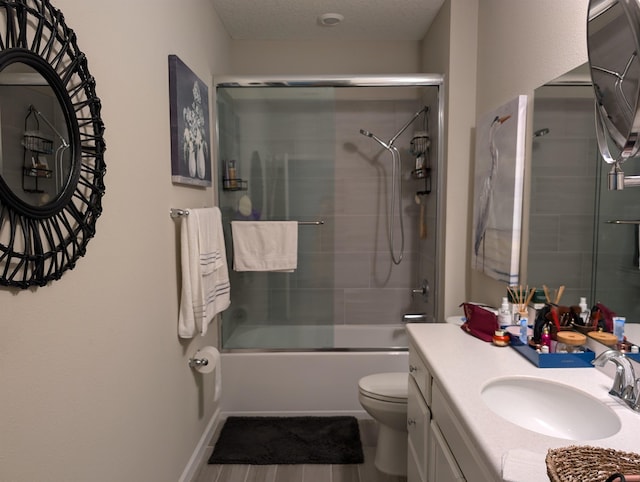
(288, 440)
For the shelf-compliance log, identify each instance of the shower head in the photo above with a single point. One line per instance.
(375, 138)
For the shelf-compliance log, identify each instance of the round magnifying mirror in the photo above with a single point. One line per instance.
(613, 44)
(35, 153)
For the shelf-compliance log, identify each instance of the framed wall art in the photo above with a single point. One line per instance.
(498, 191)
(190, 131)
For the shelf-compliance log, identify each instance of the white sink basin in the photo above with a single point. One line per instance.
(550, 408)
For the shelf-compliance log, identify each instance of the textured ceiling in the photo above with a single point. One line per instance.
(297, 19)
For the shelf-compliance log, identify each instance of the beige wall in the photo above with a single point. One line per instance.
(450, 48)
(522, 45)
(94, 381)
(497, 50)
(323, 57)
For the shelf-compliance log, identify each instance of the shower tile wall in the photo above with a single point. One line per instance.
(563, 181)
(570, 241)
(381, 291)
(345, 273)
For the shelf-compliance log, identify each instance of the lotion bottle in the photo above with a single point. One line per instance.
(585, 314)
(504, 314)
(233, 183)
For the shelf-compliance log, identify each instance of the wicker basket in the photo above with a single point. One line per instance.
(589, 464)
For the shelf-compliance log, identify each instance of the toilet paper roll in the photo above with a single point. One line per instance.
(212, 355)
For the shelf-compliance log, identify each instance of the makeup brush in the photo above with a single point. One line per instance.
(559, 295)
(546, 293)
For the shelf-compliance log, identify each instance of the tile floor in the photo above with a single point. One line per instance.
(365, 472)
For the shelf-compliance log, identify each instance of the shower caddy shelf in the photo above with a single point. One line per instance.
(235, 184)
(424, 173)
(35, 145)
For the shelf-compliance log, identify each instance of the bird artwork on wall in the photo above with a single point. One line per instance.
(498, 187)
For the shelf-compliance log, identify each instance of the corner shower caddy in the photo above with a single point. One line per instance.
(420, 148)
(35, 145)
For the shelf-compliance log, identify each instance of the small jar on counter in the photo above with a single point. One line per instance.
(501, 338)
(570, 342)
(608, 339)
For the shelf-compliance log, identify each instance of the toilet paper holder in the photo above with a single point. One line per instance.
(198, 362)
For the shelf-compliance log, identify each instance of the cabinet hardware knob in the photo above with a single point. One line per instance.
(412, 369)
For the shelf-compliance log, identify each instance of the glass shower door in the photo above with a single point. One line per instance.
(282, 145)
(616, 270)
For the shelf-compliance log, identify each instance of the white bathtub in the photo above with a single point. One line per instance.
(309, 382)
(301, 337)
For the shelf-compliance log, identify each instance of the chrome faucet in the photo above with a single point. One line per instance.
(625, 385)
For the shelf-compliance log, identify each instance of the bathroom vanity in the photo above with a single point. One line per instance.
(455, 435)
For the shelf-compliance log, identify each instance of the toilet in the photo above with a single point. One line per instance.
(384, 397)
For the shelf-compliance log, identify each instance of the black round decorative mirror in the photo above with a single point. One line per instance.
(51, 146)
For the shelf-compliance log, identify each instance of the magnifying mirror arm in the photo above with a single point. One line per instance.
(616, 178)
(618, 181)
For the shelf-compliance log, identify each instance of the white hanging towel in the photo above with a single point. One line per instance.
(205, 275)
(265, 245)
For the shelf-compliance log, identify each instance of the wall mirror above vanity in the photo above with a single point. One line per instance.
(584, 227)
(574, 239)
(51, 146)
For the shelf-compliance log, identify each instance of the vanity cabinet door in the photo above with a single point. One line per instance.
(418, 416)
(455, 437)
(441, 462)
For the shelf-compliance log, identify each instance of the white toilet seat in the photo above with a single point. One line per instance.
(386, 387)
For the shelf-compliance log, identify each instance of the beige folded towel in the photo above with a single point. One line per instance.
(265, 245)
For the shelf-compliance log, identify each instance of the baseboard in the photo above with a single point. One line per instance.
(360, 414)
(197, 457)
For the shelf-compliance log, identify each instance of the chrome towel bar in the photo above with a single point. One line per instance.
(177, 212)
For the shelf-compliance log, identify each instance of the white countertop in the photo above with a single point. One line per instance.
(463, 364)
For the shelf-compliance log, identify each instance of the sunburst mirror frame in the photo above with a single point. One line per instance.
(39, 243)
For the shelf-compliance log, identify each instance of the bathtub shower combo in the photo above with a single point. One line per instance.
(358, 163)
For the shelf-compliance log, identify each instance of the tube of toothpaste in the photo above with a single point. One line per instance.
(618, 327)
(524, 333)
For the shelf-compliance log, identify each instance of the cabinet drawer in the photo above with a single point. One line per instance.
(418, 416)
(418, 370)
